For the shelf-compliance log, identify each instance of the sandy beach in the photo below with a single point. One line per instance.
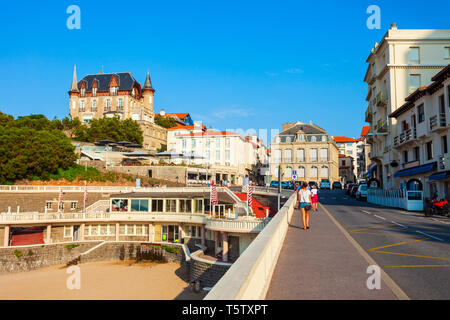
(118, 280)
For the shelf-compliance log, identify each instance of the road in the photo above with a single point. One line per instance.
(412, 249)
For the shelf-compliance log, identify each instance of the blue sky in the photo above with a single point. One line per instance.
(231, 64)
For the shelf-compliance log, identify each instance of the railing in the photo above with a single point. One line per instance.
(239, 225)
(442, 120)
(250, 275)
(404, 199)
(381, 98)
(433, 122)
(381, 125)
(368, 113)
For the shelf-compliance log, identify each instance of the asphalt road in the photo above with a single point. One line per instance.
(412, 249)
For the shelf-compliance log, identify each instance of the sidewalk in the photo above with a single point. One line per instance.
(321, 263)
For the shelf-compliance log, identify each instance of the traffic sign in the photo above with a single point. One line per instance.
(294, 177)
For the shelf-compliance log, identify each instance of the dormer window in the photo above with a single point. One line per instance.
(133, 93)
(94, 92)
(83, 91)
(113, 91)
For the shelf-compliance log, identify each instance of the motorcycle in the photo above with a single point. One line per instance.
(437, 206)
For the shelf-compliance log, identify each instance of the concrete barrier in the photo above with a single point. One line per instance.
(249, 277)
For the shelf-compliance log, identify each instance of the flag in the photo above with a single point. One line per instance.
(60, 199)
(214, 198)
(85, 197)
(250, 195)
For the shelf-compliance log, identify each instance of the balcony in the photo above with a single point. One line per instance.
(381, 126)
(381, 99)
(405, 137)
(368, 117)
(438, 122)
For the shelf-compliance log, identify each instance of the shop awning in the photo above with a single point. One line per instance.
(369, 172)
(416, 170)
(439, 175)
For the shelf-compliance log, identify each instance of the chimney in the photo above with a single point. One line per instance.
(394, 26)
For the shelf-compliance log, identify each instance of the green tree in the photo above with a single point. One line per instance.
(166, 122)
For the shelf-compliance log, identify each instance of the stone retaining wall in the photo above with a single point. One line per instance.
(207, 272)
(27, 258)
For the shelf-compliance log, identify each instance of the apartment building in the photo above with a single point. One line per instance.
(364, 162)
(352, 148)
(402, 62)
(421, 149)
(117, 94)
(222, 151)
(304, 149)
(346, 169)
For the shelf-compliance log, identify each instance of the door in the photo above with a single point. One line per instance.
(233, 247)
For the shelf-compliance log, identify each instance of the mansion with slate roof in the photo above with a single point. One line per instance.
(304, 152)
(117, 94)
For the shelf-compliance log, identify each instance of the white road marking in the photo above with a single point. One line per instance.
(428, 235)
(366, 211)
(440, 221)
(380, 217)
(400, 224)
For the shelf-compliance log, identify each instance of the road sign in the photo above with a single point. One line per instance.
(294, 172)
(294, 177)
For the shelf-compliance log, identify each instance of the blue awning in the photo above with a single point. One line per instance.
(439, 176)
(416, 170)
(369, 172)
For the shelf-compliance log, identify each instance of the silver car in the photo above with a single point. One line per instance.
(361, 193)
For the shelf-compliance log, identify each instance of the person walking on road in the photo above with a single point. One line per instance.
(305, 204)
(314, 197)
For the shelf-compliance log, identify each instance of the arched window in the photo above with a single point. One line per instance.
(324, 172)
(288, 139)
(313, 139)
(300, 155)
(288, 172)
(301, 172)
(314, 172)
(324, 138)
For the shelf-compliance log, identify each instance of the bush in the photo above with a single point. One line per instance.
(18, 253)
(71, 246)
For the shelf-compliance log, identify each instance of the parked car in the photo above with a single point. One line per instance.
(274, 184)
(337, 185)
(287, 185)
(312, 183)
(353, 191)
(348, 189)
(361, 193)
(325, 184)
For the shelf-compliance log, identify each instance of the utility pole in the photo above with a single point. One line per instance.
(279, 186)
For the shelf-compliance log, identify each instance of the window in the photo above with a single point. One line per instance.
(218, 155)
(171, 205)
(119, 205)
(82, 106)
(414, 56)
(139, 205)
(288, 139)
(314, 172)
(193, 143)
(227, 154)
(288, 155)
(324, 172)
(277, 156)
(195, 232)
(198, 206)
(444, 144)
(313, 139)
(324, 155)
(300, 137)
(208, 155)
(94, 105)
(94, 92)
(301, 172)
(405, 156)
(429, 150)
(343, 163)
(119, 107)
(447, 52)
(313, 155)
(349, 144)
(73, 205)
(217, 143)
(68, 231)
(185, 205)
(417, 154)
(421, 113)
(184, 143)
(113, 91)
(157, 205)
(414, 82)
(208, 143)
(83, 91)
(300, 155)
(288, 172)
(108, 104)
(48, 205)
(227, 142)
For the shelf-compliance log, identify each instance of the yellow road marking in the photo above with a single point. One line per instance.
(420, 266)
(398, 244)
(411, 255)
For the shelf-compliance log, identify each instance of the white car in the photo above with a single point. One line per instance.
(361, 193)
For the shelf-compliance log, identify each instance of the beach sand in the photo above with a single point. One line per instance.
(117, 280)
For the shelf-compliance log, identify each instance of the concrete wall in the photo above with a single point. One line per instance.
(207, 272)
